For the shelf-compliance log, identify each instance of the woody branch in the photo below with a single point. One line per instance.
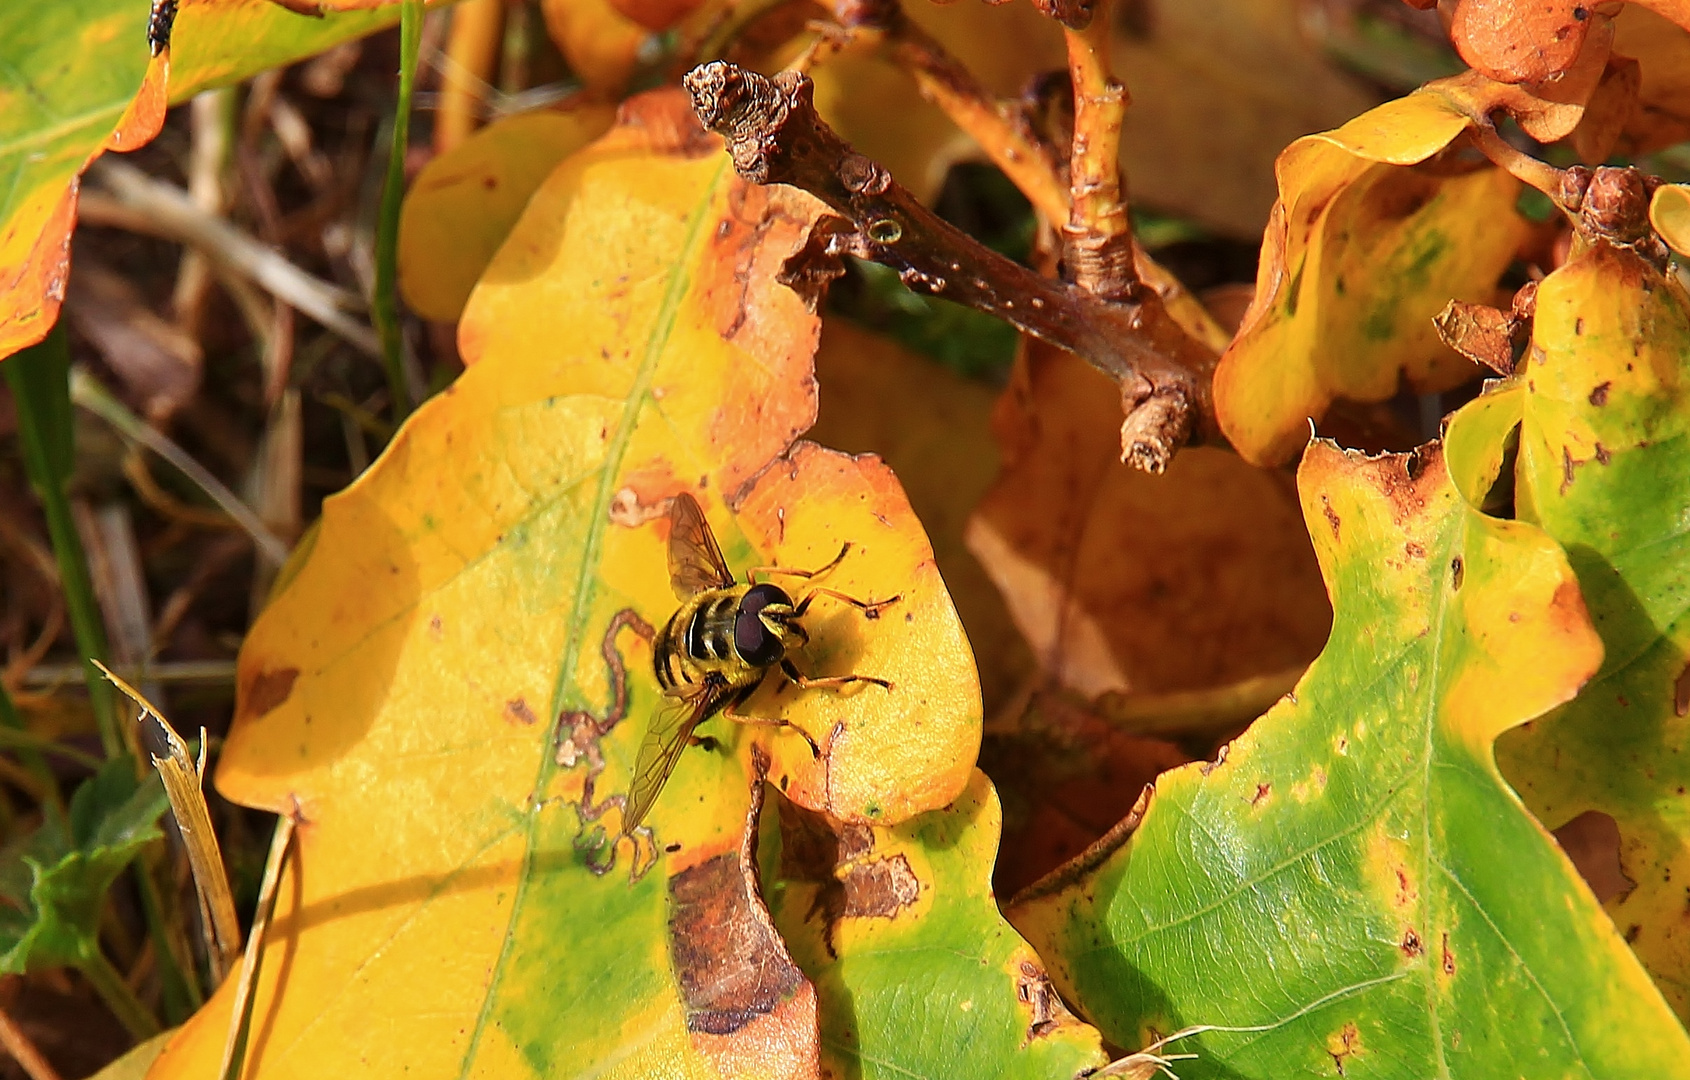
(774, 136)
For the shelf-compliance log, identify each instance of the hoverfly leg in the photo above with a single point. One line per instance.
(869, 608)
(767, 721)
(837, 559)
(805, 683)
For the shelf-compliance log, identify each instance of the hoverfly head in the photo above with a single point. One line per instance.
(765, 627)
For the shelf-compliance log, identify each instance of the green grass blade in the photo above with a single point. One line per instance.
(385, 308)
(39, 378)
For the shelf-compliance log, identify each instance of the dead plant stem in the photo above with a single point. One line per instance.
(23, 1050)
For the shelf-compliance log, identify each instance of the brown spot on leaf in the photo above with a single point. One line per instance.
(267, 690)
(1566, 607)
(1599, 396)
(436, 627)
(730, 961)
(1448, 957)
(1681, 692)
(854, 882)
(1414, 550)
(1592, 841)
(1331, 515)
(1567, 467)
(1411, 945)
(1262, 791)
(517, 711)
(1033, 988)
(1457, 573)
(1603, 454)
(880, 888)
(1344, 1044)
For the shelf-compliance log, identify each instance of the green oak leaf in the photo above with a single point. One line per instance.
(1352, 888)
(916, 972)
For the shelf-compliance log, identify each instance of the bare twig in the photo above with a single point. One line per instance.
(1072, 14)
(1000, 129)
(775, 136)
(1099, 234)
(1519, 164)
(165, 210)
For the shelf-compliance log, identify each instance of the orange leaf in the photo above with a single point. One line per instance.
(1516, 41)
(1125, 581)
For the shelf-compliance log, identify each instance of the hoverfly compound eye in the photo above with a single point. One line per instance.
(753, 640)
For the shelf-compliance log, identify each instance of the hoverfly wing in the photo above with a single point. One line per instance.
(695, 562)
(666, 736)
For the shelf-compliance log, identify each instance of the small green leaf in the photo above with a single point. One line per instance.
(58, 875)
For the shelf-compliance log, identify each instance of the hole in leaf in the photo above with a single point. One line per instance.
(1592, 842)
(1499, 500)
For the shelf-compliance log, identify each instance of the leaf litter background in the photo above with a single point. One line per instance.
(538, 478)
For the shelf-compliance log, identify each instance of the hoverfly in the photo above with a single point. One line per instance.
(715, 651)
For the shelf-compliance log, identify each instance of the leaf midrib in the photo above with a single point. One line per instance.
(638, 396)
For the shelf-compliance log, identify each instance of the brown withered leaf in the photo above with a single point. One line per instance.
(158, 363)
(1124, 581)
(1066, 775)
(1610, 111)
(1546, 111)
(1662, 50)
(1479, 332)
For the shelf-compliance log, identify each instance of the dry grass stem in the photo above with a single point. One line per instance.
(86, 392)
(242, 1005)
(23, 1050)
(164, 210)
(215, 672)
(182, 777)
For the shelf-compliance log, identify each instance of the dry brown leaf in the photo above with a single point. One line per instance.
(1124, 581)
(158, 363)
